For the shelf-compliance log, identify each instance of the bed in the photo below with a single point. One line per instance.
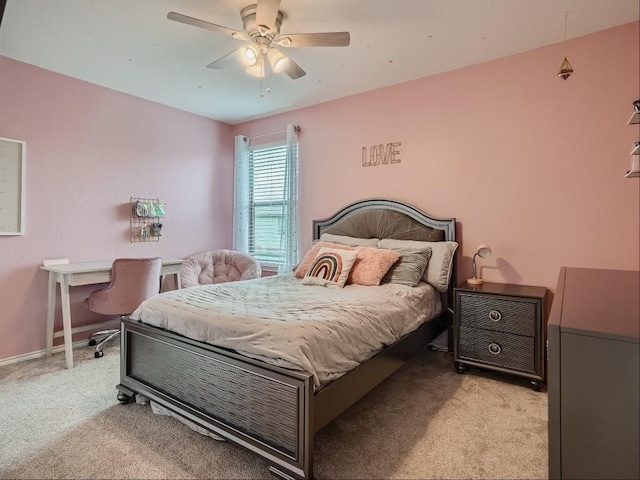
(271, 404)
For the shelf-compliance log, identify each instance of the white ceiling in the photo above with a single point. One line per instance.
(130, 46)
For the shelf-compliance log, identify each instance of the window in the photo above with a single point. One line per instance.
(265, 216)
(266, 207)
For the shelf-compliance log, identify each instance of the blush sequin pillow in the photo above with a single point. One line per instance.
(330, 268)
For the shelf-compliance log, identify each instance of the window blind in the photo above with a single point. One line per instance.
(266, 195)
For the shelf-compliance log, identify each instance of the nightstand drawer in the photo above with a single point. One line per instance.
(494, 313)
(497, 348)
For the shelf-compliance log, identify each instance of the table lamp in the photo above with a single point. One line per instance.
(484, 251)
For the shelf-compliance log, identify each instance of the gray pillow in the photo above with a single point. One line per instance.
(409, 269)
(438, 272)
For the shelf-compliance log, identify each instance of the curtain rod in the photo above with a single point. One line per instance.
(296, 128)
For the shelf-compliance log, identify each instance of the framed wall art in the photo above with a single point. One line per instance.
(12, 158)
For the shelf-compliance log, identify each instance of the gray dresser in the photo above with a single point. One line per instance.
(593, 375)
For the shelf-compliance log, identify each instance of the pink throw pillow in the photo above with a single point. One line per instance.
(371, 265)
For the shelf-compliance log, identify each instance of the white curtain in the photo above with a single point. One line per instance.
(241, 195)
(289, 234)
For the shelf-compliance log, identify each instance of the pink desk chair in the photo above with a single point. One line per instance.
(133, 280)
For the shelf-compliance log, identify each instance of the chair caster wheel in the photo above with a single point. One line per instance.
(92, 343)
(99, 354)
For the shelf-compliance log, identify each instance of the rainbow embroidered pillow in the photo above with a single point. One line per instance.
(302, 269)
(330, 268)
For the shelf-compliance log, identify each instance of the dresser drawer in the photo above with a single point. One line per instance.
(496, 348)
(495, 313)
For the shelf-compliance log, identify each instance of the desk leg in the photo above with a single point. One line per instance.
(66, 321)
(177, 281)
(51, 311)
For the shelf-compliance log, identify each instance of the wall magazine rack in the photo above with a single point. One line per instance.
(145, 219)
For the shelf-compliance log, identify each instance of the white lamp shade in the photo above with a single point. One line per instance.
(249, 55)
(257, 69)
(277, 59)
(484, 251)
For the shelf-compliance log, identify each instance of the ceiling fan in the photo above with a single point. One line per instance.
(261, 22)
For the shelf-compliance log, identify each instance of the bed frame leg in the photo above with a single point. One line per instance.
(125, 395)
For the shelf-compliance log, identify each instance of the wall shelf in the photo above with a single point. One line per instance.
(635, 152)
(145, 223)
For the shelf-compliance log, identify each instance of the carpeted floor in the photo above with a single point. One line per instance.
(426, 421)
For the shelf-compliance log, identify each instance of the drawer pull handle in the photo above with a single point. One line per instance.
(494, 348)
(495, 316)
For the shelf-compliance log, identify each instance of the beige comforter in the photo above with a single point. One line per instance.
(322, 331)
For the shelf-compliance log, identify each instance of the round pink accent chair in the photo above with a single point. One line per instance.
(217, 266)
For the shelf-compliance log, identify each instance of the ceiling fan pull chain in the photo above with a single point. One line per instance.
(267, 71)
(262, 79)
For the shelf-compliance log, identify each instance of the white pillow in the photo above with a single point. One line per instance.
(352, 241)
(438, 272)
(330, 268)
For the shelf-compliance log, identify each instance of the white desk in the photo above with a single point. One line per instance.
(76, 274)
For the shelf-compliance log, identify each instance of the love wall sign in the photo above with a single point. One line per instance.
(381, 154)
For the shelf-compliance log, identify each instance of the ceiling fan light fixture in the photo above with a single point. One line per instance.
(261, 22)
(249, 55)
(277, 59)
(257, 69)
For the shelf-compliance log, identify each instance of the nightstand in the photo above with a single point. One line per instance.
(500, 326)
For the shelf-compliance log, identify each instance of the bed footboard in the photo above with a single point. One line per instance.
(262, 408)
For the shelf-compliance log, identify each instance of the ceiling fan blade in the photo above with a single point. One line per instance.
(266, 13)
(3, 5)
(293, 70)
(326, 39)
(178, 17)
(223, 61)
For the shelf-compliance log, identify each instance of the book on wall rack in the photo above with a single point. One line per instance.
(149, 209)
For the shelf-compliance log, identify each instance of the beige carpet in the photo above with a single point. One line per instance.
(426, 421)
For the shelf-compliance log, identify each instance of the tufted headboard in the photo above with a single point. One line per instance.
(383, 218)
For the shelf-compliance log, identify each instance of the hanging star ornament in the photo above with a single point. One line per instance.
(565, 69)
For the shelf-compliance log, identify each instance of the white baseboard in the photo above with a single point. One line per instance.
(60, 348)
(38, 354)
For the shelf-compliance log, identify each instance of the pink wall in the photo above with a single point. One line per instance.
(89, 149)
(526, 162)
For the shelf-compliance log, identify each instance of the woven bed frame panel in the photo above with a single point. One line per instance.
(260, 407)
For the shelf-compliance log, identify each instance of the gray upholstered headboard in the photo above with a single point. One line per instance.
(383, 218)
